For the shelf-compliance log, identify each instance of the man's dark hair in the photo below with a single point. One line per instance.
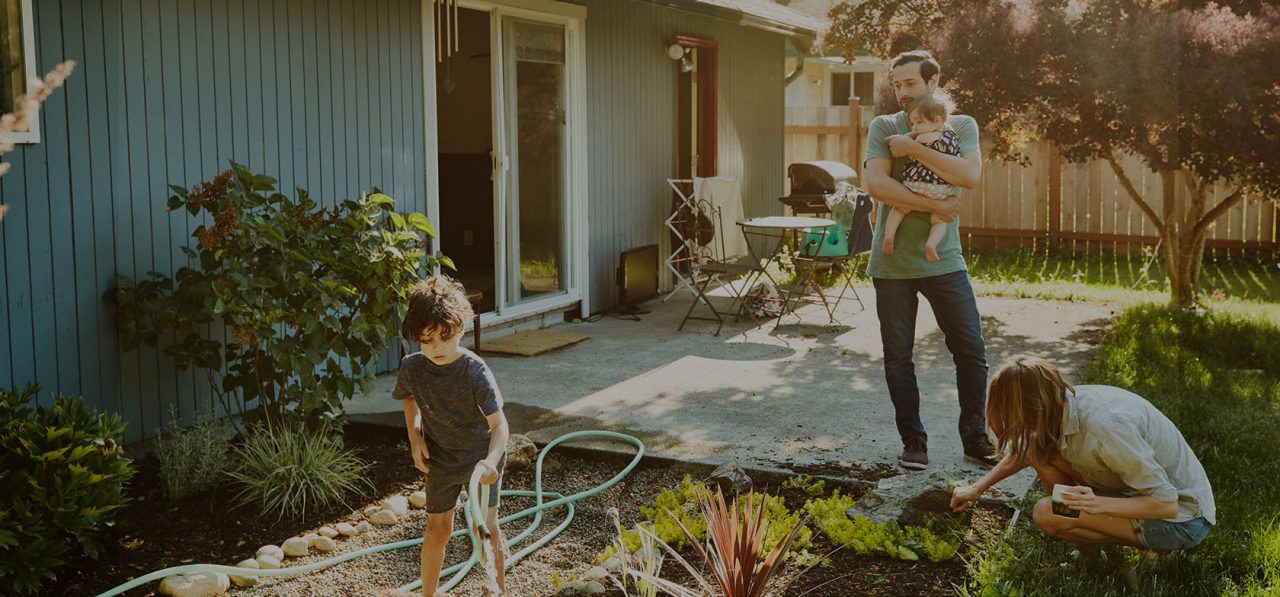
(437, 303)
(928, 64)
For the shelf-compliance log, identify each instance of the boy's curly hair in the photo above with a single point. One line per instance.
(437, 303)
(931, 107)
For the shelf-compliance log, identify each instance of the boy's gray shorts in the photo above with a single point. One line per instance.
(443, 486)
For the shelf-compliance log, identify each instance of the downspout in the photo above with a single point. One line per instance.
(795, 74)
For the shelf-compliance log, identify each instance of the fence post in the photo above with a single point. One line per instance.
(1055, 195)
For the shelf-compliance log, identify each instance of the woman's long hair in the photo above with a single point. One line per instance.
(1024, 409)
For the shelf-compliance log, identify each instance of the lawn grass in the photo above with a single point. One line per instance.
(1217, 377)
(1235, 284)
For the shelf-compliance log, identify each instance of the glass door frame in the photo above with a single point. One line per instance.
(574, 226)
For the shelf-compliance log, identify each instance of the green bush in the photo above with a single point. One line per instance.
(62, 476)
(192, 460)
(289, 469)
(867, 537)
(306, 295)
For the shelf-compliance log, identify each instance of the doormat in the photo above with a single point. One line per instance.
(531, 343)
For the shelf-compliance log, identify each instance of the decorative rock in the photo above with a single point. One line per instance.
(246, 581)
(198, 584)
(418, 499)
(521, 452)
(295, 547)
(593, 588)
(329, 532)
(271, 550)
(384, 517)
(595, 573)
(906, 499)
(364, 527)
(324, 544)
(396, 503)
(371, 510)
(572, 588)
(731, 478)
(267, 561)
(346, 529)
(613, 565)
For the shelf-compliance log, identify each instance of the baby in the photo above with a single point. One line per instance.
(928, 115)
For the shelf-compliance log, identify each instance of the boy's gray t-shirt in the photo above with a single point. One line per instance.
(454, 400)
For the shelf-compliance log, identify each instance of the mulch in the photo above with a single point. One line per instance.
(154, 532)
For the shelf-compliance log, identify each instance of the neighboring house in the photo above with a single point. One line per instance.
(818, 97)
(539, 148)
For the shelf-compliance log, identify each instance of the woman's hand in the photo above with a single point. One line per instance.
(1082, 498)
(964, 496)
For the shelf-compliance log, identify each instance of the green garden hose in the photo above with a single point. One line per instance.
(474, 511)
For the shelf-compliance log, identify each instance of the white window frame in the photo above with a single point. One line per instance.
(32, 134)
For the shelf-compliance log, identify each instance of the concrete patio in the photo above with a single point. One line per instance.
(806, 396)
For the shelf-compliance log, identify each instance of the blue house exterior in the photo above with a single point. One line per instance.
(338, 96)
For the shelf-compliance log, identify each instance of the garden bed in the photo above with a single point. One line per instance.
(154, 532)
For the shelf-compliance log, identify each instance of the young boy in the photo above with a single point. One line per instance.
(453, 412)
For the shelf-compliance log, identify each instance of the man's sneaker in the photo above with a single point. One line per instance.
(915, 455)
(982, 453)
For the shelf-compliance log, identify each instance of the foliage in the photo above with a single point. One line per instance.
(192, 460)
(867, 537)
(806, 484)
(644, 558)
(735, 555)
(1188, 87)
(62, 477)
(676, 510)
(1217, 378)
(289, 469)
(303, 293)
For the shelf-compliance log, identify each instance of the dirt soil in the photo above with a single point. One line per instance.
(154, 532)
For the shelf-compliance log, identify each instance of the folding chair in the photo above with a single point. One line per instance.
(859, 242)
(712, 265)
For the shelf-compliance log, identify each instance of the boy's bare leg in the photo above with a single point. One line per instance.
(434, 541)
(891, 229)
(936, 232)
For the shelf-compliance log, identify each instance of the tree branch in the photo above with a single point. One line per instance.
(1133, 193)
(1218, 210)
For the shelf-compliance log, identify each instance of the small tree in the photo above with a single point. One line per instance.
(1191, 88)
(297, 288)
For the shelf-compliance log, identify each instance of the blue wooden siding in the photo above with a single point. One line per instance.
(631, 100)
(322, 94)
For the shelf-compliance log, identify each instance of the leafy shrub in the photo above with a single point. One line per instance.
(192, 460)
(289, 469)
(867, 537)
(806, 484)
(677, 507)
(306, 294)
(62, 476)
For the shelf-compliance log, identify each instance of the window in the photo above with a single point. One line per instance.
(17, 63)
(864, 86)
(840, 89)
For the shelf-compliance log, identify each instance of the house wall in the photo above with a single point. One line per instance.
(631, 114)
(323, 94)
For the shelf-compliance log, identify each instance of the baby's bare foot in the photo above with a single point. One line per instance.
(887, 246)
(931, 254)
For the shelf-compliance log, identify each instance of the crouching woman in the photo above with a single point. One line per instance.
(1129, 477)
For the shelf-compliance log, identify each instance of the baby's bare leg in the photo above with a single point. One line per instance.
(891, 229)
(936, 232)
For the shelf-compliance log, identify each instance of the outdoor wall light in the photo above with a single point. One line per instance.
(681, 53)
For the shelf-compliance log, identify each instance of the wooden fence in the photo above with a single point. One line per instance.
(1077, 206)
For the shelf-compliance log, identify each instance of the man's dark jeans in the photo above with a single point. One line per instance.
(956, 309)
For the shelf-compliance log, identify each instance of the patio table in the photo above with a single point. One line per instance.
(775, 230)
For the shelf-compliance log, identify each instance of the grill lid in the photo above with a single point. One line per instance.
(818, 176)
